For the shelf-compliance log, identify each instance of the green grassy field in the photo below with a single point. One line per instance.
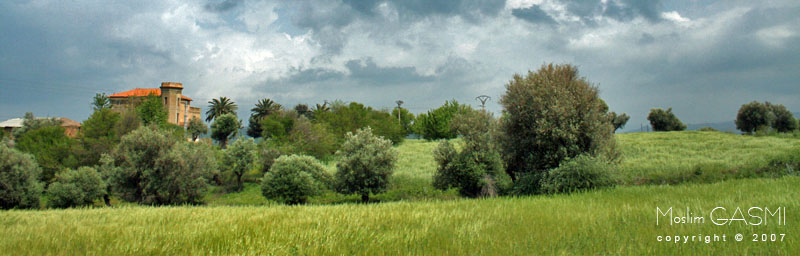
(414, 218)
(620, 220)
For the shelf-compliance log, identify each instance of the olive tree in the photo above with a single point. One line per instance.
(19, 184)
(238, 159)
(366, 162)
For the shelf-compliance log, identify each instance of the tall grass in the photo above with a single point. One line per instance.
(613, 221)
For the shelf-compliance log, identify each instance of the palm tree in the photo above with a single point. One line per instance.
(265, 107)
(219, 107)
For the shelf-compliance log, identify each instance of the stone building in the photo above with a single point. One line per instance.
(171, 94)
(71, 127)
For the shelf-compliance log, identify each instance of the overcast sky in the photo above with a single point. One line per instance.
(702, 58)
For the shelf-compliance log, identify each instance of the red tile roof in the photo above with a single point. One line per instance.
(139, 92)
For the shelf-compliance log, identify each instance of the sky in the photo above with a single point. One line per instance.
(704, 59)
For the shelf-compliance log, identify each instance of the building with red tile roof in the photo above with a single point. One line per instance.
(171, 93)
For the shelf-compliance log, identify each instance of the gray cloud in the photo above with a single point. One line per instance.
(223, 6)
(533, 14)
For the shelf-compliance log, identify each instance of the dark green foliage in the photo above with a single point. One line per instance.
(784, 119)
(290, 133)
(664, 121)
(224, 128)
(267, 156)
(19, 186)
(153, 168)
(263, 108)
(618, 121)
(302, 109)
(707, 129)
(278, 125)
(578, 174)
(754, 116)
(76, 188)
(52, 150)
(220, 107)
(196, 128)
(98, 135)
(406, 120)
(342, 119)
(129, 121)
(100, 101)
(477, 170)
(152, 111)
(292, 179)
(237, 160)
(366, 162)
(254, 128)
(552, 115)
(30, 123)
(435, 124)
(529, 183)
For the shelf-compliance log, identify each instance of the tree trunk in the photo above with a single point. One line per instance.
(365, 198)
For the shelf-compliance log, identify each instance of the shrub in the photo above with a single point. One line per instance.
(152, 111)
(238, 159)
(784, 119)
(52, 150)
(224, 128)
(366, 162)
(618, 121)
(707, 129)
(665, 121)
(98, 134)
(478, 169)
(19, 186)
(343, 118)
(76, 188)
(267, 156)
(754, 116)
(579, 174)
(196, 128)
(552, 115)
(153, 168)
(30, 123)
(406, 119)
(311, 139)
(292, 179)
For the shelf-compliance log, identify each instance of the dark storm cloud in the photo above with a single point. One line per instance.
(533, 14)
(622, 10)
(222, 6)
(367, 71)
(312, 75)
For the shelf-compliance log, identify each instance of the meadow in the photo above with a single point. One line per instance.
(710, 169)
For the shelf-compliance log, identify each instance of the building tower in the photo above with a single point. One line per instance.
(171, 95)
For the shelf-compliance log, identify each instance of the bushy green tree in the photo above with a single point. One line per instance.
(664, 121)
(477, 170)
(366, 162)
(754, 116)
(100, 101)
(435, 124)
(292, 179)
(19, 186)
(618, 121)
(129, 120)
(52, 150)
(406, 120)
(76, 188)
(263, 108)
(152, 111)
(98, 135)
(303, 110)
(238, 159)
(196, 128)
(552, 115)
(153, 168)
(784, 119)
(224, 128)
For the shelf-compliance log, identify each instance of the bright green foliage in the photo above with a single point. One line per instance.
(196, 128)
(552, 115)
(19, 186)
(664, 121)
(406, 120)
(366, 162)
(51, 149)
(342, 119)
(618, 121)
(224, 128)
(578, 174)
(292, 179)
(312, 139)
(784, 119)
(278, 125)
(152, 111)
(76, 188)
(101, 101)
(220, 107)
(477, 170)
(435, 124)
(263, 108)
(238, 159)
(30, 123)
(98, 135)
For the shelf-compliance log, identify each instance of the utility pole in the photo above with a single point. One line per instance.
(399, 102)
(483, 99)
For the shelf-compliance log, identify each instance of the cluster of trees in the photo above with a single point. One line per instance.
(756, 116)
